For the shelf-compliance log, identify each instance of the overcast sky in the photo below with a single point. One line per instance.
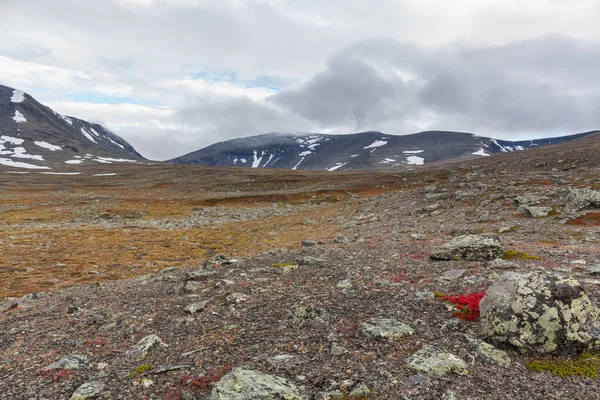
(172, 76)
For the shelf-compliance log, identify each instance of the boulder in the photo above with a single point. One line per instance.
(434, 362)
(69, 363)
(386, 328)
(539, 312)
(143, 347)
(91, 390)
(470, 248)
(578, 199)
(537, 212)
(247, 384)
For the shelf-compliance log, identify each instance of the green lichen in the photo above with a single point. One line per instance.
(521, 255)
(585, 365)
(438, 295)
(143, 368)
(283, 265)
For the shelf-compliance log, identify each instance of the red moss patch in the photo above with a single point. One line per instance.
(467, 305)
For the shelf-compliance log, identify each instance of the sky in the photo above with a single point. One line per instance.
(173, 76)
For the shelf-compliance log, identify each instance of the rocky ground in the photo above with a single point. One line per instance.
(344, 304)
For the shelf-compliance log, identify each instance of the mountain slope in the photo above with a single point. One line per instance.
(366, 150)
(34, 136)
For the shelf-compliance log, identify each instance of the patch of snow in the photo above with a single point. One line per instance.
(299, 162)
(48, 146)
(235, 160)
(269, 160)
(118, 144)
(94, 132)
(243, 160)
(108, 159)
(519, 148)
(20, 152)
(59, 173)
(19, 118)
(390, 160)
(88, 135)
(66, 119)
(373, 150)
(354, 155)
(73, 161)
(480, 152)
(340, 165)
(107, 174)
(10, 139)
(17, 96)
(377, 143)
(305, 153)
(415, 160)
(257, 159)
(17, 172)
(18, 164)
(413, 151)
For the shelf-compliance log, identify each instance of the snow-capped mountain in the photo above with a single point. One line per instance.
(32, 136)
(366, 150)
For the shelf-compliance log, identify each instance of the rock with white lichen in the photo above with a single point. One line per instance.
(435, 362)
(91, 390)
(578, 199)
(254, 385)
(470, 248)
(143, 347)
(539, 312)
(386, 328)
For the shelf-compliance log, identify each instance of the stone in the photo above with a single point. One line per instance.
(237, 298)
(424, 295)
(308, 243)
(418, 380)
(284, 361)
(432, 361)
(91, 390)
(309, 316)
(143, 347)
(579, 199)
(536, 212)
(449, 395)
(360, 391)
(195, 307)
(331, 395)
(344, 239)
(594, 270)
(418, 236)
(345, 284)
(470, 248)
(499, 263)
(69, 363)
(486, 353)
(387, 328)
(199, 275)
(247, 384)
(453, 274)
(337, 350)
(539, 312)
(311, 261)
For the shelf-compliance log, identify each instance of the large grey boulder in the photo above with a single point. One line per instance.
(470, 248)
(69, 363)
(539, 312)
(435, 362)
(91, 390)
(253, 385)
(386, 328)
(578, 199)
(143, 347)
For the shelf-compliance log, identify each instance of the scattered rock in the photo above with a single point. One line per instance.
(330, 395)
(424, 295)
(345, 239)
(247, 384)
(578, 199)
(539, 312)
(499, 263)
(309, 316)
(537, 212)
(489, 354)
(199, 275)
(237, 298)
(453, 274)
(143, 347)
(195, 307)
(345, 284)
(91, 390)
(387, 328)
(360, 391)
(418, 380)
(308, 243)
(470, 248)
(311, 261)
(434, 362)
(285, 361)
(71, 362)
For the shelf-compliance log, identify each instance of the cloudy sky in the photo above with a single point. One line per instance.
(172, 76)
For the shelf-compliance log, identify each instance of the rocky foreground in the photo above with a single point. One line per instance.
(480, 285)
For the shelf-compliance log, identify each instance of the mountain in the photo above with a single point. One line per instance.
(359, 151)
(33, 136)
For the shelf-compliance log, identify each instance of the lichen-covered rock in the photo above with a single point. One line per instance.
(309, 316)
(254, 385)
(578, 199)
(143, 347)
(91, 390)
(537, 212)
(69, 363)
(195, 307)
(470, 248)
(387, 328)
(360, 391)
(434, 362)
(486, 353)
(539, 312)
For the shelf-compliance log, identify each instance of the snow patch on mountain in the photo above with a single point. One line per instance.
(19, 118)
(18, 164)
(48, 146)
(257, 160)
(413, 151)
(415, 160)
(88, 135)
(375, 144)
(480, 152)
(17, 96)
(73, 161)
(338, 166)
